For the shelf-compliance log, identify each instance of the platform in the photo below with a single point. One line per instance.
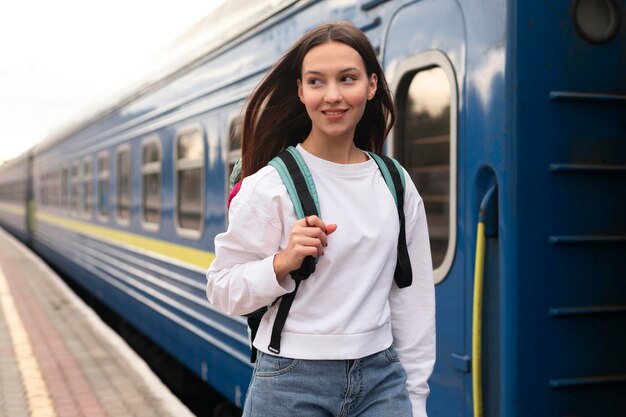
(57, 358)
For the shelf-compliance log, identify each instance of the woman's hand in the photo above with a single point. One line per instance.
(309, 237)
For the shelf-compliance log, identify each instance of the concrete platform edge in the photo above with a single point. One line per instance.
(170, 401)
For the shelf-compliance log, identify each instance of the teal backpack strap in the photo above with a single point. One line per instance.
(299, 182)
(286, 173)
(308, 178)
(280, 166)
(393, 174)
(384, 169)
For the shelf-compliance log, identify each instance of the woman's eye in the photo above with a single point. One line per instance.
(348, 79)
(314, 81)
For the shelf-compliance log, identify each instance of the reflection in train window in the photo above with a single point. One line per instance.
(424, 149)
(189, 181)
(151, 182)
(123, 184)
(74, 187)
(87, 202)
(104, 187)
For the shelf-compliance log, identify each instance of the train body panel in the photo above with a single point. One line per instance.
(498, 95)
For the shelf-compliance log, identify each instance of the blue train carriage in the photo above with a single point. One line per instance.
(559, 301)
(530, 305)
(16, 196)
(491, 115)
(530, 135)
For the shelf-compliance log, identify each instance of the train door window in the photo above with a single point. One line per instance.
(234, 148)
(74, 187)
(425, 143)
(189, 182)
(151, 183)
(104, 187)
(123, 184)
(87, 201)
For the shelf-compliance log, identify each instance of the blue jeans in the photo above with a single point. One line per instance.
(374, 386)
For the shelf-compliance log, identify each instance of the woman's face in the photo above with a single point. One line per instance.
(335, 88)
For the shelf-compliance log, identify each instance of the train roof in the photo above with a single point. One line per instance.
(209, 35)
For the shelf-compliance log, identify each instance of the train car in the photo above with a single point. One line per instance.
(511, 123)
(16, 196)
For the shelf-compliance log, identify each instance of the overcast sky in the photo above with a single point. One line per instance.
(58, 57)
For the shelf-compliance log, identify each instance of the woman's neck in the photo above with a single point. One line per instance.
(333, 150)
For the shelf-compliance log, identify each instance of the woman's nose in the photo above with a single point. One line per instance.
(333, 95)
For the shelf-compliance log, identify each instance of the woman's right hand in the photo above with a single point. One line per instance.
(309, 237)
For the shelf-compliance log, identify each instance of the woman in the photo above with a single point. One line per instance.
(354, 344)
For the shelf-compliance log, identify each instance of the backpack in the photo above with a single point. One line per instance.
(299, 183)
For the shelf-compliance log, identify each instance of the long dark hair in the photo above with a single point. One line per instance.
(275, 118)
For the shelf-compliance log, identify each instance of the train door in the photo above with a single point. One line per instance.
(423, 56)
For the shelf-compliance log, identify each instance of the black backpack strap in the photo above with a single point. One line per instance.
(254, 321)
(393, 175)
(308, 265)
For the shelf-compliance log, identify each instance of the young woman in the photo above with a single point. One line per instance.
(354, 344)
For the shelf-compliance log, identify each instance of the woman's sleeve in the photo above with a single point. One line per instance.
(413, 308)
(241, 279)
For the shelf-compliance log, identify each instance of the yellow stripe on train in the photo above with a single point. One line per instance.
(13, 208)
(181, 253)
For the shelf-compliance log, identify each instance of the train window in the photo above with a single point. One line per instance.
(57, 189)
(425, 144)
(104, 186)
(151, 182)
(64, 188)
(189, 182)
(45, 189)
(87, 201)
(41, 194)
(74, 187)
(123, 184)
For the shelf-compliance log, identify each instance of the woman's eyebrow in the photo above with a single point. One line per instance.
(314, 72)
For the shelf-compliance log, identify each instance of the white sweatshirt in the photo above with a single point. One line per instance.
(350, 306)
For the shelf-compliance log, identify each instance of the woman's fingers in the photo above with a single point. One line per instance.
(314, 221)
(309, 237)
(312, 242)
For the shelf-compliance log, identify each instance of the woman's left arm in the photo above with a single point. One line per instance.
(413, 308)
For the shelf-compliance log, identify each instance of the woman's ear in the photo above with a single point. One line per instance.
(373, 85)
(300, 89)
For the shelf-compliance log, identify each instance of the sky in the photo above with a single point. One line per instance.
(58, 58)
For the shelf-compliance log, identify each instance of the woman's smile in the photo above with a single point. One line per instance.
(334, 115)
